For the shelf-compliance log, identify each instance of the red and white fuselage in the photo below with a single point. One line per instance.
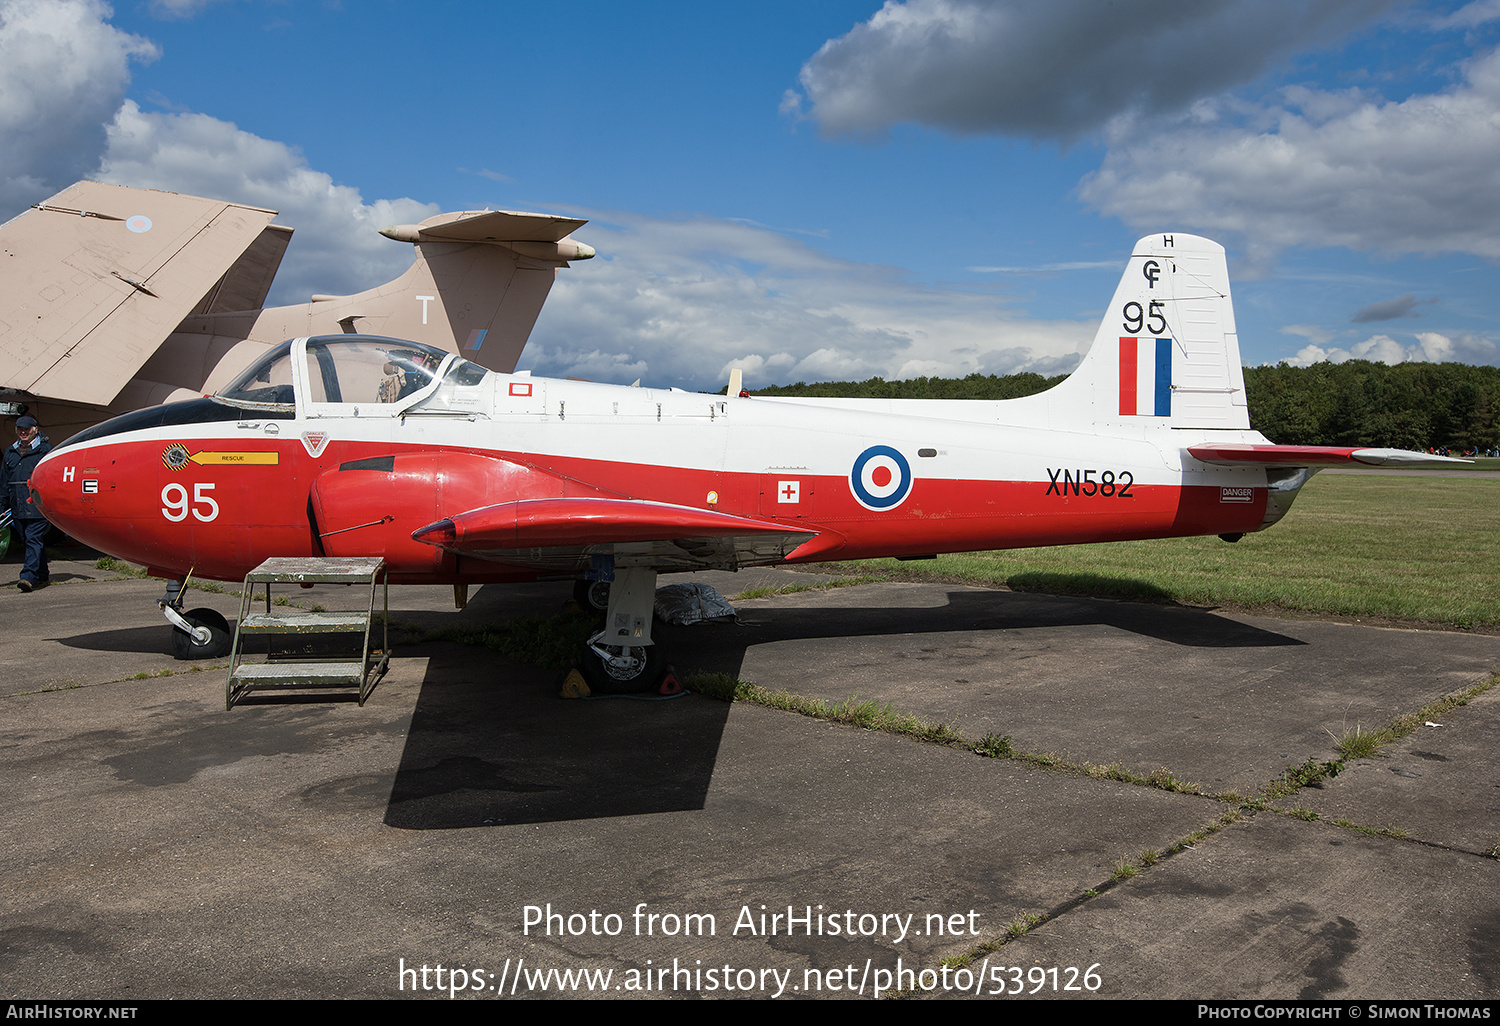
(353, 445)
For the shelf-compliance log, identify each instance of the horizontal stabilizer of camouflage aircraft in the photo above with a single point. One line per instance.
(116, 298)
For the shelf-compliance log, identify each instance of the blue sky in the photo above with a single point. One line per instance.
(820, 189)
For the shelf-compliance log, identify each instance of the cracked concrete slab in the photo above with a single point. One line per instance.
(1437, 784)
(159, 846)
(1278, 907)
(1226, 701)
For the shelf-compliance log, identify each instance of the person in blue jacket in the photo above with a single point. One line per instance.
(20, 460)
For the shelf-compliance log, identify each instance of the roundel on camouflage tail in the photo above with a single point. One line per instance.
(880, 478)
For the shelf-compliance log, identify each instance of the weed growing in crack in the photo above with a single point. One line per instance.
(1358, 744)
(1310, 773)
(996, 747)
(1023, 925)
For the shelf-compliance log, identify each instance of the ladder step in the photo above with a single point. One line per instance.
(308, 671)
(304, 623)
(298, 675)
(308, 570)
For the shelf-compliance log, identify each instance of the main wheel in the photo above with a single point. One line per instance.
(626, 670)
(185, 646)
(591, 596)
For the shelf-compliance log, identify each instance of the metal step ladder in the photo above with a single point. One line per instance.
(304, 647)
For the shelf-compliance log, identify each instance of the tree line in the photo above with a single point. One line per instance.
(1406, 406)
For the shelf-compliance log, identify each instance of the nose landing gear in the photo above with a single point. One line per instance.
(197, 634)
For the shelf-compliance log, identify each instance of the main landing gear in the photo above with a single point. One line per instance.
(621, 658)
(591, 596)
(198, 633)
(621, 669)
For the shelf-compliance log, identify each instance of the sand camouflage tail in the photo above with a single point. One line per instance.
(116, 298)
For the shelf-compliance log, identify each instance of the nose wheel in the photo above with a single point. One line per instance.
(198, 633)
(208, 636)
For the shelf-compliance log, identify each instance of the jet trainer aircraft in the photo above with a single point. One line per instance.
(116, 298)
(354, 445)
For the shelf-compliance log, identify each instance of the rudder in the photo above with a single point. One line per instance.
(1167, 350)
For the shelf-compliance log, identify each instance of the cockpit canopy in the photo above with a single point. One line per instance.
(325, 376)
(340, 375)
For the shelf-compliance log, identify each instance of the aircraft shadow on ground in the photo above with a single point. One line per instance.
(507, 750)
(721, 647)
(152, 639)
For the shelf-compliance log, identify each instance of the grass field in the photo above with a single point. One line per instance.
(1423, 550)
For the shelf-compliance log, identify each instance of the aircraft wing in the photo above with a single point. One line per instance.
(95, 278)
(563, 535)
(1314, 456)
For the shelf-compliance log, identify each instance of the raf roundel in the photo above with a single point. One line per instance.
(881, 478)
(138, 223)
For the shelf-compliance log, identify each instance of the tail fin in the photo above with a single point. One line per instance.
(1167, 350)
(476, 287)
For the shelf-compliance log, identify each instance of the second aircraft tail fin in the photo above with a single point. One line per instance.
(476, 287)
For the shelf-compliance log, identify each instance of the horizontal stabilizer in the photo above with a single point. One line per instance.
(541, 237)
(1315, 456)
(497, 226)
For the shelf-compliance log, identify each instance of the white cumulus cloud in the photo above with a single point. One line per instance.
(1053, 69)
(1425, 347)
(63, 73)
(669, 301)
(335, 248)
(680, 302)
(1420, 175)
(1470, 15)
